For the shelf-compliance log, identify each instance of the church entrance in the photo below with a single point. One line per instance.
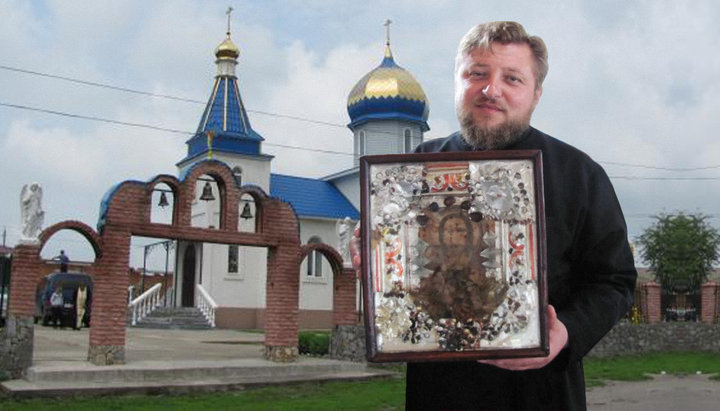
(188, 277)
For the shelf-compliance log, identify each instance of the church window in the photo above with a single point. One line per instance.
(233, 259)
(361, 143)
(314, 259)
(237, 172)
(408, 140)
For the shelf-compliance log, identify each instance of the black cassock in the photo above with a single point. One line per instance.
(591, 280)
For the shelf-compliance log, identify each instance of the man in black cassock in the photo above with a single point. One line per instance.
(499, 71)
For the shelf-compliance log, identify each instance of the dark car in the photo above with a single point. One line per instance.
(69, 282)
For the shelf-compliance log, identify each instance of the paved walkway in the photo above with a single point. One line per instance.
(662, 393)
(142, 344)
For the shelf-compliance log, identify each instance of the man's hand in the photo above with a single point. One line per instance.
(355, 250)
(558, 341)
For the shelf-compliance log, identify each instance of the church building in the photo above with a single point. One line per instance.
(388, 113)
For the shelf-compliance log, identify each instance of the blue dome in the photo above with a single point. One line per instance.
(389, 92)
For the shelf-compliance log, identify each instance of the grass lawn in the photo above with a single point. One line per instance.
(387, 394)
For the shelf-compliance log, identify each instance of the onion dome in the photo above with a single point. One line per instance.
(389, 92)
(227, 49)
(224, 126)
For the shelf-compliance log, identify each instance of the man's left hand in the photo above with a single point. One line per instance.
(558, 340)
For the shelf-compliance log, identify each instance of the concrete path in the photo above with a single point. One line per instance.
(169, 361)
(662, 393)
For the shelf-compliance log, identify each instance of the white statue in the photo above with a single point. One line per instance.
(31, 212)
(344, 230)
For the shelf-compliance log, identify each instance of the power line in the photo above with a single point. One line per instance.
(158, 95)
(665, 178)
(682, 169)
(270, 114)
(151, 127)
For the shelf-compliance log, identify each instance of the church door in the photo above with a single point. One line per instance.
(188, 277)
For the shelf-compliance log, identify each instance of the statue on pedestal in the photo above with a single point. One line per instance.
(31, 212)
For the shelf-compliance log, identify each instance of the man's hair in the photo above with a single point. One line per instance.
(505, 32)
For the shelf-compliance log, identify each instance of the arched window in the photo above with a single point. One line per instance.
(314, 259)
(237, 172)
(361, 143)
(408, 140)
(233, 259)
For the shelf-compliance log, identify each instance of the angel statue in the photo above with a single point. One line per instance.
(31, 212)
(344, 231)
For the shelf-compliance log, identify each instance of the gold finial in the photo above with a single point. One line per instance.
(388, 53)
(229, 10)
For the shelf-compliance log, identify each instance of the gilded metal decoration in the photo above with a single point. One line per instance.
(453, 252)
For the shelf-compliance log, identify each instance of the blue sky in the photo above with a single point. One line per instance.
(632, 83)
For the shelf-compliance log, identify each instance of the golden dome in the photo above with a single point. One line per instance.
(227, 49)
(387, 80)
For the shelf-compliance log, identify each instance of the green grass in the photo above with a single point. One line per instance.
(636, 368)
(386, 394)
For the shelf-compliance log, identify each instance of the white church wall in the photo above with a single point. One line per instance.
(316, 293)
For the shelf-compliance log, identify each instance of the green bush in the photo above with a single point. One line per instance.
(313, 342)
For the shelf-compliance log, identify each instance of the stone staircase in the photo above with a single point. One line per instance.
(185, 318)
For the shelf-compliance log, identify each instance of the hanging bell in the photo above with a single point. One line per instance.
(207, 194)
(163, 200)
(246, 213)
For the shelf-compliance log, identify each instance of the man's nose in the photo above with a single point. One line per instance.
(491, 89)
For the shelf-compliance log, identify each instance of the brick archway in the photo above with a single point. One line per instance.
(126, 212)
(344, 283)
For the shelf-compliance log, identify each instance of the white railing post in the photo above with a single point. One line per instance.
(206, 304)
(145, 303)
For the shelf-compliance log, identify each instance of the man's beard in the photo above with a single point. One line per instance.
(490, 138)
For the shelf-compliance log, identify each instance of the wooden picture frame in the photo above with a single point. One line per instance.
(453, 256)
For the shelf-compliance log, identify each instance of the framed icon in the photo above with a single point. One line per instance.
(453, 252)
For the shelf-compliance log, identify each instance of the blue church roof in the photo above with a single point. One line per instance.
(224, 125)
(311, 197)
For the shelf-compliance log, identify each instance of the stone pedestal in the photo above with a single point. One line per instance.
(106, 354)
(347, 342)
(16, 346)
(281, 354)
(709, 302)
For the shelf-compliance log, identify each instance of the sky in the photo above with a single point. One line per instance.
(634, 84)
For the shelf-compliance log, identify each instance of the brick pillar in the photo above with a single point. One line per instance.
(282, 301)
(19, 331)
(109, 304)
(653, 310)
(344, 298)
(708, 302)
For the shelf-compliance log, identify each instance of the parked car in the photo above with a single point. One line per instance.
(69, 282)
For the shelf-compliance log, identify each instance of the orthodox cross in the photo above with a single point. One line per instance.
(387, 30)
(229, 10)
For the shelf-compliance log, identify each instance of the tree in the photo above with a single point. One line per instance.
(681, 250)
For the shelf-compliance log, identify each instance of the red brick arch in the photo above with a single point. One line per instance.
(78, 226)
(126, 212)
(344, 283)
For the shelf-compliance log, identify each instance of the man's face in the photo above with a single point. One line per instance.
(495, 94)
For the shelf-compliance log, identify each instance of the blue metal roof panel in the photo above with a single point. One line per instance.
(311, 197)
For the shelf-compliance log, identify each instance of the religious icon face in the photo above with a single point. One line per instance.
(453, 258)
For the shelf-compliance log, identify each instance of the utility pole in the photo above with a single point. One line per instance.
(4, 234)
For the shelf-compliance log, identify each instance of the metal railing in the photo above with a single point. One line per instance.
(146, 303)
(206, 304)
